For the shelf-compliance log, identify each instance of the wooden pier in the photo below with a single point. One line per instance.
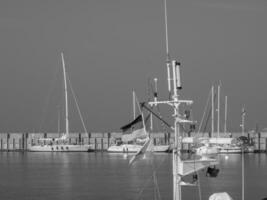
(101, 141)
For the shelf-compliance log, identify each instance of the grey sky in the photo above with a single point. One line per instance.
(113, 46)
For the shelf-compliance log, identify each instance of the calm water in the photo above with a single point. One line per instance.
(65, 176)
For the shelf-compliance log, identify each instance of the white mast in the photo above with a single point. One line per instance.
(134, 104)
(225, 115)
(66, 97)
(243, 170)
(218, 117)
(168, 60)
(178, 166)
(212, 111)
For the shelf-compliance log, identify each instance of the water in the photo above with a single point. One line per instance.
(97, 176)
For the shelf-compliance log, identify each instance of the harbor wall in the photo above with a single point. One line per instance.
(101, 141)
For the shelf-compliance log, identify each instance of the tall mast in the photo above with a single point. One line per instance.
(66, 97)
(134, 104)
(218, 117)
(225, 115)
(243, 164)
(212, 111)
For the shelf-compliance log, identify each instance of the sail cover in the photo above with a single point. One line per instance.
(134, 129)
(136, 122)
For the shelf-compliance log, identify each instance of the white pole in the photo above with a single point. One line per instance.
(58, 121)
(178, 75)
(134, 105)
(243, 162)
(212, 111)
(66, 97)
(225, 115)
(156, 89)
(174, 79)
(167, 48)
(218, 117)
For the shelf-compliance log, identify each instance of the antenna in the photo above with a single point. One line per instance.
(168, 59)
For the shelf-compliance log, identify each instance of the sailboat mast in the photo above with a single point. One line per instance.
(66, 97)
(243, 164)
(225, 115)
(218, 117)
(212, 111)
(134, 104)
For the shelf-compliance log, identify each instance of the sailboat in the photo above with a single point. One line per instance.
(180, 167)
(135, 134)
(61, 144)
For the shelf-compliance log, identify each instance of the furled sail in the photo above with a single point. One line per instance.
(135, 130)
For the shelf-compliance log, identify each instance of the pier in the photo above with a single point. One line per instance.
(101, 141)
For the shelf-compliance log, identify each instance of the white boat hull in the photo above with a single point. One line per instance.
(61, 148)
(231, 150)
(132, 148)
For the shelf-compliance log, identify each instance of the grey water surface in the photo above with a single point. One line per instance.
(84, 176)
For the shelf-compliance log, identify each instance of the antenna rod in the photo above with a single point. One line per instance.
(168, 59)
(66, 96)
(166, 31)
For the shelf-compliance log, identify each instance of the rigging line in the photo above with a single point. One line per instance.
(157, 116)
(204, 113)
(76, 102)
(209, 114)
(150, 177)
(139, 108)
(47, 100)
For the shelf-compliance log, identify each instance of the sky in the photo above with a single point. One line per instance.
(113, 47)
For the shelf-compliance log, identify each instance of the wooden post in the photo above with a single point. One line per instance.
(14, 144)
(20, 143)
(7, 142)
(165, 138)
(80, 138)
(25, 147)
(108, 139)
(45, 136)
(259, 141)
(89, 137)
(95, 144)
(102, 144)
(1, 144)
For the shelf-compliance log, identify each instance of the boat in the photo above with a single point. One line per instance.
(134, 135)
(180, 167)
(61, 144)
(230, 149)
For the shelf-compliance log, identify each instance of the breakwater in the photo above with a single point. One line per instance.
(101, 141)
